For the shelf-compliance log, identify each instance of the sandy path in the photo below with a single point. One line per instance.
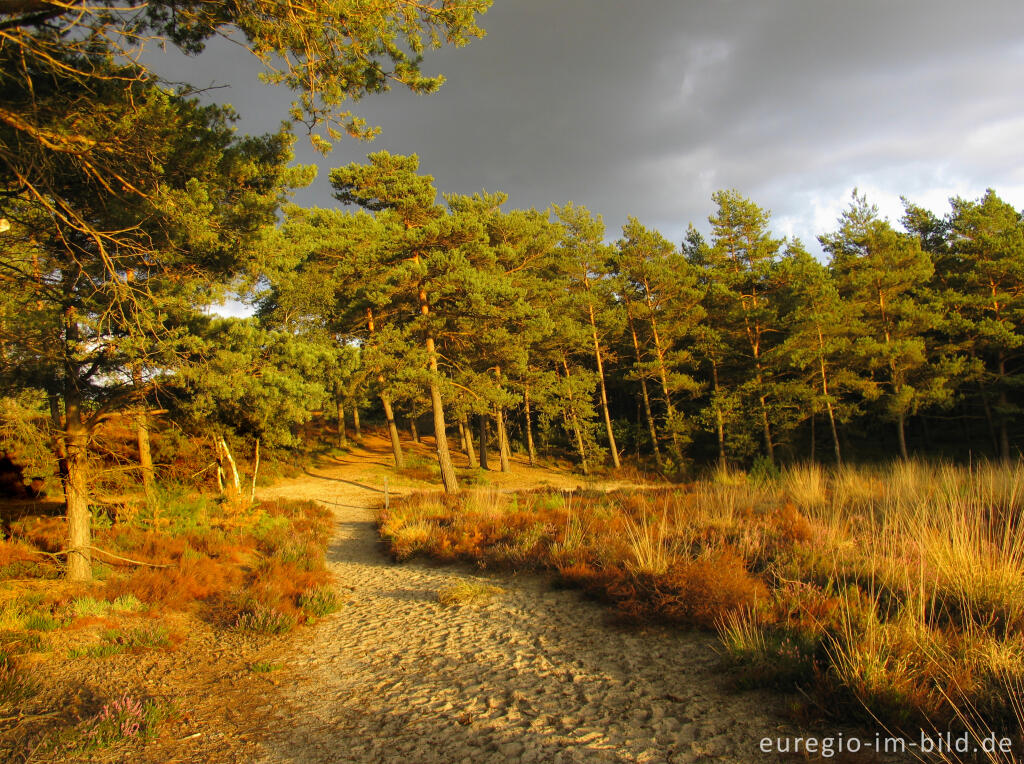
(534, 675)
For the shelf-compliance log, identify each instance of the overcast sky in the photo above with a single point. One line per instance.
(645, 108)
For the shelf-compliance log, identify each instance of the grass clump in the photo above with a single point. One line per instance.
(259, 619)
(467, 593)
(319, 601)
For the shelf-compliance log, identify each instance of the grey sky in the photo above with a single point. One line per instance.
(645, 108)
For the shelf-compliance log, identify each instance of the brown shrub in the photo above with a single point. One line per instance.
(194, 578)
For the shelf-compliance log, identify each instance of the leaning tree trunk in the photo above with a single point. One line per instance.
(355, 422)
(901, 432)
(396, 444)
(444, 457)
(643, 386)
(572, 420)
(604, 391)
(670, 411)
(467, 431)
(389, 412)
(76, 492)
(413, 431)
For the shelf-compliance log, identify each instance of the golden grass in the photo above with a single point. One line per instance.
(894, 593)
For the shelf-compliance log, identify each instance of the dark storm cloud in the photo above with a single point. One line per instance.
(646, 108)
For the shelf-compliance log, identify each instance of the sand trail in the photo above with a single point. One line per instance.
(534, 675)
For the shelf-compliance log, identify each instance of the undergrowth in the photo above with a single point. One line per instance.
(894, 595)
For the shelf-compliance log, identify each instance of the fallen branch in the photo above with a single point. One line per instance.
(55, 555)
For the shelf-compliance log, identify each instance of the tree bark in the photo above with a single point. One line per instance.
(412, 430)
(574, 422)
(76, 492)
(142, 426)
(643, 386)
(504, 453)
(467, 442)
(901, 432)
(355, 422)
(529, 428)
(389, 412)
(719, 419)
(483, 441)
(342, 435)
(604, 391)
(670, 411)
(396, 444)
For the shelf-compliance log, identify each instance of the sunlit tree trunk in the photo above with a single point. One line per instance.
(643, 387)
(342, 435)
(389, 412)
(483, 440)
(529, 428)
(573, 421)
(604, 391)
(76, 492)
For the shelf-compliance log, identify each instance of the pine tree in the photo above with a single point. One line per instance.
(885, 274)
(743, 260)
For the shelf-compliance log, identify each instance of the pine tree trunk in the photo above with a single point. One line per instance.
(670, 411)
(142, 439)
(901, 432)
(503, 449)
(444, 457)
(643, 386)
(766, 428)
(812, 436)
(604, 391)
(835, 433)
(574, 422)
(828, 402)
(145, 455)
(342, 435)
(355, 422)
(412, 430)
(468, 442)
(719, 419)
(529, 428)
(504, 453)
(483, 441)
(462, 435)
(396, 444)
(79, 560)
